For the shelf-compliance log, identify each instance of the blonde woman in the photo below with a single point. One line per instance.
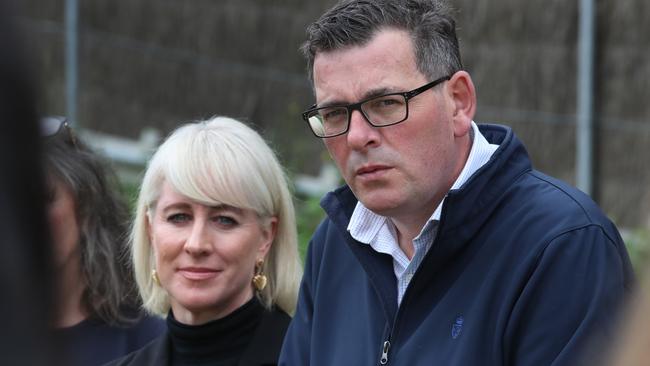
(214, 248)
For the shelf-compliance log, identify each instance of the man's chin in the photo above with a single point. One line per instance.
(378, 203)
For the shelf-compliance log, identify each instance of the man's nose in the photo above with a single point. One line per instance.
(361, 134)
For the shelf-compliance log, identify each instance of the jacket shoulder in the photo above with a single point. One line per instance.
(569, 202)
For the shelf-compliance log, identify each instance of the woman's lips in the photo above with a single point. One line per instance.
(198, 274)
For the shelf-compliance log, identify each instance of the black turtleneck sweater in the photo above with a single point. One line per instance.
(220, 342)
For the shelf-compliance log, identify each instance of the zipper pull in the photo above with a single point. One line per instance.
(384, 353)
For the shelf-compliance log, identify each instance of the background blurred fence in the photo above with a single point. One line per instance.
(157, 63)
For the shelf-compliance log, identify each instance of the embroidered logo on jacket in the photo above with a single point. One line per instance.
(457, 327)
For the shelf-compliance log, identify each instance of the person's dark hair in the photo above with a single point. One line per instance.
(430, 23)
(103, 228)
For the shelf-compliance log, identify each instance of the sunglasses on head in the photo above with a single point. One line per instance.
(58, 127)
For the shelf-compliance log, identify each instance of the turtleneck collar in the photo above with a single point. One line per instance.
(219, 342)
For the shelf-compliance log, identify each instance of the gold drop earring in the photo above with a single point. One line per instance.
(259, 279)
(154, 276)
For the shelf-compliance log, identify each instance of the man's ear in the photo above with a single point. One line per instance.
(460, 89)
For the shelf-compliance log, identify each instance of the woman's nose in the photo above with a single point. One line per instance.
(199, 241)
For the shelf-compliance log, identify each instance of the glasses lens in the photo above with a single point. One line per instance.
(385, 110)
(50, 126)
(53, 126)
(327, 121)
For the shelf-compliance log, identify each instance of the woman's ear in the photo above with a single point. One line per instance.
(147, 224)
(269, 230)
(462, 93)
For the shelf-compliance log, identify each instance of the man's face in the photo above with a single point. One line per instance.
(401, 171)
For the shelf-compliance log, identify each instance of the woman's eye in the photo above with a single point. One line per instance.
(178, 218)
(50, 195)
(225, 221)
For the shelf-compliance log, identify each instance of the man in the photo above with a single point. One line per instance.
(445, 247)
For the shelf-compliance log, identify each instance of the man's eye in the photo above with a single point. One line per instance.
(178, 218)
(333, 114)
(387, 103)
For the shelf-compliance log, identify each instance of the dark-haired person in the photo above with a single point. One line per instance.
(98, 316)
(445, 247)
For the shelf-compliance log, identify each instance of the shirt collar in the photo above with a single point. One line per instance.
(364, 224)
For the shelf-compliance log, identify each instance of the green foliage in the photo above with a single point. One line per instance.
(637, 242)
(129, 193)
(308, 215)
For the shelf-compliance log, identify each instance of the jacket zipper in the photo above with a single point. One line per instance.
(386, 345)
(384, 353)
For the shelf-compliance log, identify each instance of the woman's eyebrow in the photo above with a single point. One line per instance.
(175, 206)
(225, 207)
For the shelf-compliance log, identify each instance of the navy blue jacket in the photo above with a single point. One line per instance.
(93, 342)
(525, 270)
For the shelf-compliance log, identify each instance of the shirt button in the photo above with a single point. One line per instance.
(408, 277)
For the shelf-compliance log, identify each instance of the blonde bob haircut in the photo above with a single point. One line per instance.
(214, 162)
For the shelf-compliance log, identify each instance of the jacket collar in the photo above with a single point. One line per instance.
(464, 211)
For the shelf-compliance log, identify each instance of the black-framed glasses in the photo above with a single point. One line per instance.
(55, 126)
(380, 111)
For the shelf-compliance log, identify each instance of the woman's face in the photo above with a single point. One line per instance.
(205, 256)
(64, 228)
